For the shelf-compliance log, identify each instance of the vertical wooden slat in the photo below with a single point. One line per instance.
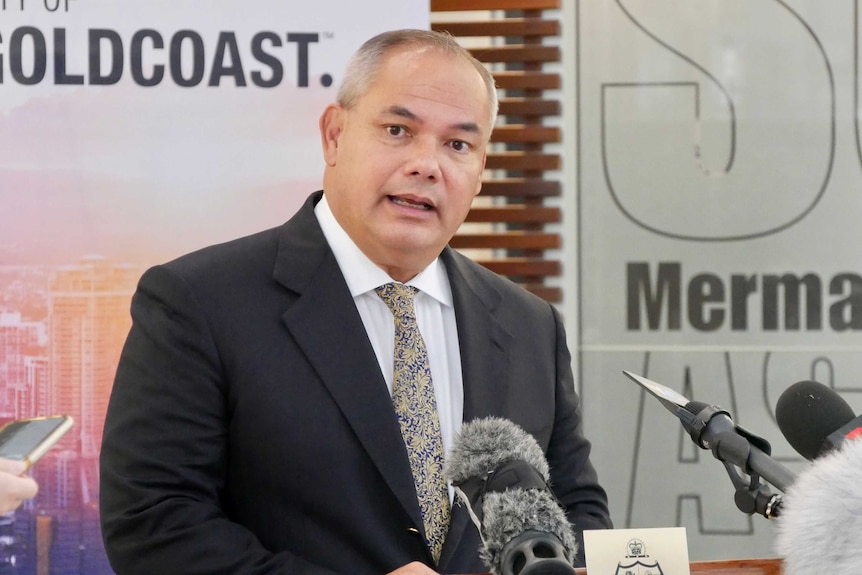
(512, 37)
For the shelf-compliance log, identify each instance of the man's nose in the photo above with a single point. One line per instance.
(424, 160)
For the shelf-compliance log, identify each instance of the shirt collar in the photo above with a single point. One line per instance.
(363, 275)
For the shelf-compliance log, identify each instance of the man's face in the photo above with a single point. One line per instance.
(404, 163)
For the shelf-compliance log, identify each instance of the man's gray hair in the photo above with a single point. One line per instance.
(364, 64)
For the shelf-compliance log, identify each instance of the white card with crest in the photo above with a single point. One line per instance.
(648, 551)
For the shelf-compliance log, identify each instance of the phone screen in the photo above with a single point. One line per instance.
(19, 438)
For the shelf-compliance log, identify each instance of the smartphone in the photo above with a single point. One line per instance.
(29, 439)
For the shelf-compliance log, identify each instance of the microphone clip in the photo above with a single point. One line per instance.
(695, 418)
(737, 449)
(751, 496)
(513, 474)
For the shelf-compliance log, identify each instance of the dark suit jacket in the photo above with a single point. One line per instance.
(251, 431)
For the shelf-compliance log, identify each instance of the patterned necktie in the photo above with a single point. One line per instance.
(416, 407)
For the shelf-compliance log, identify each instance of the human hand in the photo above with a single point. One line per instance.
(415, 568)
(14, 486)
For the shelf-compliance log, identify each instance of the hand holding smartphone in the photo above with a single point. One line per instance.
(29, 439)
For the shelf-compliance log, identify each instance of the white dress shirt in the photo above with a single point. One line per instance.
(435, 315)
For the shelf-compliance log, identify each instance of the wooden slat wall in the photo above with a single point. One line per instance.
(511, 37)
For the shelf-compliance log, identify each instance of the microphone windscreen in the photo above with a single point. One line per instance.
(510, 505)
(484, 444)
(807, 412)
(821, 519)
(514, 512)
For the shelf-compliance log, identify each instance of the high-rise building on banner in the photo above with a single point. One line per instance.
(88, 321)
(21, 342)
(39, 400)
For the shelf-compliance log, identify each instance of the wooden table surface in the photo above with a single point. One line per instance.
(727, 567)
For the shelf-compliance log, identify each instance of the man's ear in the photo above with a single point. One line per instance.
(331, 122)
(481, 173)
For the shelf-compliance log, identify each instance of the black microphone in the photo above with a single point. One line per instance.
(814, 419)
(711, 427)
(500, 473)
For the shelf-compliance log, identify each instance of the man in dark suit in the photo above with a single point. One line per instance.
(251, 428)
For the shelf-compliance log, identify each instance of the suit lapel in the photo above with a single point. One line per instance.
(484, 362)
(482, 338)
(328, 329)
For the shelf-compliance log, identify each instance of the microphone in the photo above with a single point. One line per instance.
(500, 473)
(819, 529)
(814, 419)
(711, 427)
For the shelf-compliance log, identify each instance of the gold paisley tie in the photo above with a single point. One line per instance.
(416, 407)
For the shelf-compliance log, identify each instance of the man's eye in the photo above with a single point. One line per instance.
(460, 146)
(395, 130)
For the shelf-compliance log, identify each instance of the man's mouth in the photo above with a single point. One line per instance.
(411, 204)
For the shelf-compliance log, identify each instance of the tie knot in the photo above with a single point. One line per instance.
(398, 298)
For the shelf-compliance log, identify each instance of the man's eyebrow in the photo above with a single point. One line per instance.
(403, 112)
(471, 127)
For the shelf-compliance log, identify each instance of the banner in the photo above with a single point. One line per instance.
(131, 133)
(719, 193)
